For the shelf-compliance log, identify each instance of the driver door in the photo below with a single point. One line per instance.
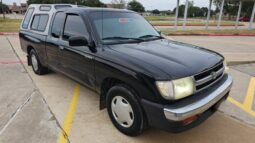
(77, 62)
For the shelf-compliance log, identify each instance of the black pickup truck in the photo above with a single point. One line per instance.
(142, 78)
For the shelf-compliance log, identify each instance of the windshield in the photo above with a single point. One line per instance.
(122, 27)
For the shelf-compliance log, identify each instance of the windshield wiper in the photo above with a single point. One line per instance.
(150, 36)
(123, 38)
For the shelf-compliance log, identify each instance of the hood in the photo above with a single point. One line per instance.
(175, 59)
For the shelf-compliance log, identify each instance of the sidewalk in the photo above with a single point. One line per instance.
(245, 26)
(24, 115)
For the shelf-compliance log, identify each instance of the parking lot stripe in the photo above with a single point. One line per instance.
(248, 101)
(233, 101)
(70, 114)
(250, 94)
(241, 106)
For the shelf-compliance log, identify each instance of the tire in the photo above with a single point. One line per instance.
(125, 111)
(37, 67)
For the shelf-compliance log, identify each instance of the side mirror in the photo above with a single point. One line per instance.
(78, 41)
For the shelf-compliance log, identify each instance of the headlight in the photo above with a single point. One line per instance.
(176, 89)
(166, 89)
(225, 65)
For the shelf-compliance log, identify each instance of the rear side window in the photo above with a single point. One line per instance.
(35, 22)
(40, 22)
(43, 22)
(58, 24)
(27, 18)
(75, 26)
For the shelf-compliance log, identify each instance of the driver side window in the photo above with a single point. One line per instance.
(74, 26)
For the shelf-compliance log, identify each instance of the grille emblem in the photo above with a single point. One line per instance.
(214, 76)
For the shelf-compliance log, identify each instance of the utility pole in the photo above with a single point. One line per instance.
(208, 14)
(176, 14)
(252, 17)
(238, 14)
(221, 12)
(185, 15)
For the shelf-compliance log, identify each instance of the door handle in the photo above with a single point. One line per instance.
(61, 47)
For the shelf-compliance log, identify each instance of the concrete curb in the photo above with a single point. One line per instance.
(9, 33)
(195, 25)
(211, 35)
(233, 63)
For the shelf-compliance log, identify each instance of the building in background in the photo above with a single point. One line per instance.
(19, 9)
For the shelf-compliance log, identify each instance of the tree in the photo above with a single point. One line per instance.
(121, 4)
(45, 1)
(166, 12)
(205, 11)
(193, 11)
(155, 11)
(90, 3)
(181, 10)
(231, 7)
(136, 6)
(3, 8)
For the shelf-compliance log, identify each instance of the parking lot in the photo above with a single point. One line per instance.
(33, 107)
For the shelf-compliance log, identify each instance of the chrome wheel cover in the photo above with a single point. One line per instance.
(122, 111)
(34, 62)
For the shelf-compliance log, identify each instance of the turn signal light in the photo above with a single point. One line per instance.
(189, 120)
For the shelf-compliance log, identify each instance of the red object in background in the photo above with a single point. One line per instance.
(244, 19)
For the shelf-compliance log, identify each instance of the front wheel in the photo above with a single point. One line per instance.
(125, 111)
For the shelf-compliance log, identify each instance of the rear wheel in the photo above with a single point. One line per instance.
(36, 65)
(125, 111)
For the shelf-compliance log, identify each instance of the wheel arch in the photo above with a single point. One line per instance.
(107, 84)
(29, 48)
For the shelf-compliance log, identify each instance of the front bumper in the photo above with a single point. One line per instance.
(202, 105)
(179, 114)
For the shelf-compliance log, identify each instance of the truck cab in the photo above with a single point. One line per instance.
(35, 28)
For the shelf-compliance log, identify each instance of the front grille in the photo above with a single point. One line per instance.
(208, 77)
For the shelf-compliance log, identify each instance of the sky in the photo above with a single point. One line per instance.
(148, 4)
(166, 4)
